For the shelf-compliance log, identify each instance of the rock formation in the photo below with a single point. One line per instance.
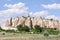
(32, 21)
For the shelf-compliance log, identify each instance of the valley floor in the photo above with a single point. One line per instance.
(14, 36)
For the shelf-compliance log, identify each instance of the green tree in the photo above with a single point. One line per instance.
(23, 28)
(20, 28)
(26, 28)
(37, 28)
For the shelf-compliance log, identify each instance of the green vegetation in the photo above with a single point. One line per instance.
(0, 29)
(22, 28)
(46, 33)
(10, 31)
(36, 30)
(52, 31)
(26, 33)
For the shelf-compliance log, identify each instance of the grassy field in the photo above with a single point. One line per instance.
(17, 36)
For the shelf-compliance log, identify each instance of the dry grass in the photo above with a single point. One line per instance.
(12, 36)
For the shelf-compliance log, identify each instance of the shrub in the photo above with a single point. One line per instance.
(9, 30)
(37, 28)
(23, 28)
(51, 31)
(0, 28)
(46, 33)
(3, 33)
(20, 28)
(26, 29)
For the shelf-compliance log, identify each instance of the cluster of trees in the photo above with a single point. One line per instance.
(22, 28)
(36, 30)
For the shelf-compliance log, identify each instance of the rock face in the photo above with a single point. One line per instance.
(7, 23)
(15, 21)
(32, 21)
(28, 21)
(37, 21)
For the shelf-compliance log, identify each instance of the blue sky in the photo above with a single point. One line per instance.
(44, 8)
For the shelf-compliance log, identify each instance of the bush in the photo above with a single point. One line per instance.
(46, 33)
(51, 31)
(20, 28)
(23, 28)
(0, 28)
(3, 33)
(37, 28)
(26, 29)
(9, 30)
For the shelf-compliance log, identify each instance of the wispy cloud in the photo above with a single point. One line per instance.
(39, 13)
(51, 6)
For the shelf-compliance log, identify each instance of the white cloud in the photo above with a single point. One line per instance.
(52, 6)
(13, 9)
(15, 6)
(18, 8)
(40, 13)
(52, 17)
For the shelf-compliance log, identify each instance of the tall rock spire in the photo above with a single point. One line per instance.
(11, 21)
